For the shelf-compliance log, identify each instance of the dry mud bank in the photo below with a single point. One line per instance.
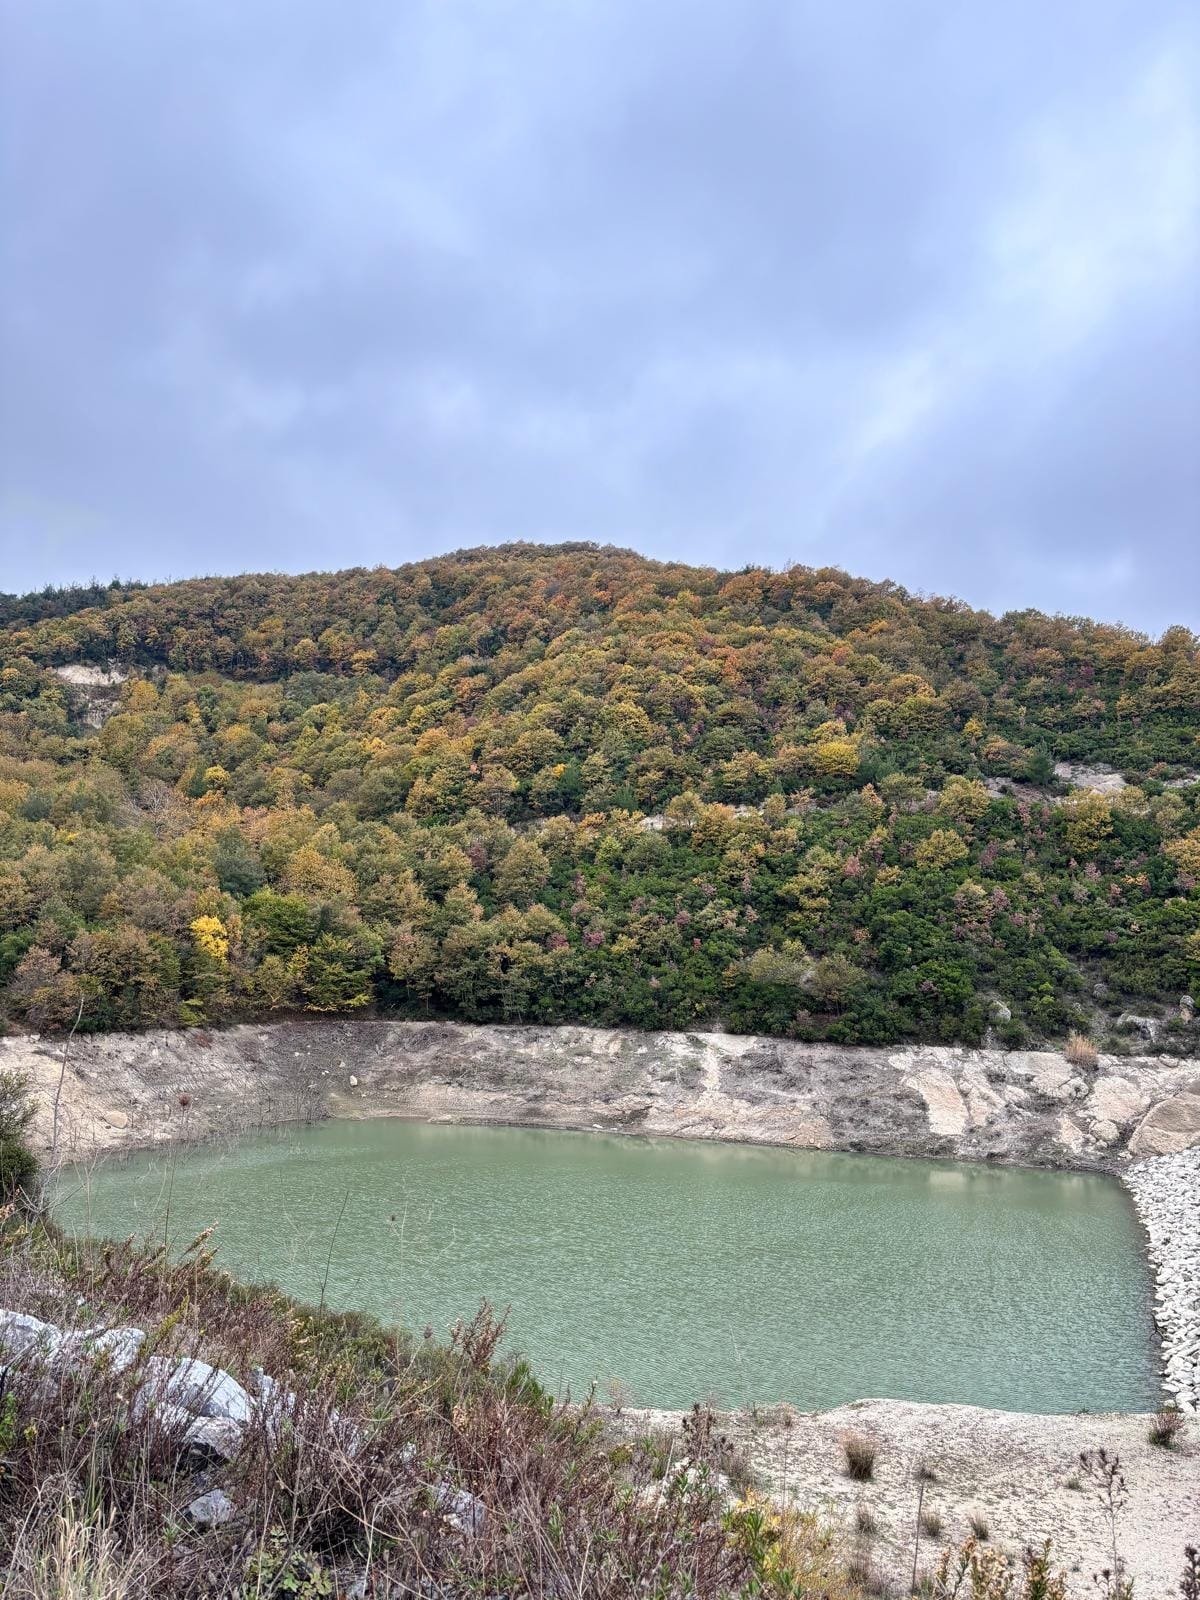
(125, 1090)
(1017, 1472)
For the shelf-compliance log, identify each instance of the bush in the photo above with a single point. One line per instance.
(1080, 1050)
(18, 1164)
(859, 1452)
(1165, 1427)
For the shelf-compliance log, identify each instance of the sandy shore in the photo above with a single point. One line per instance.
(1019, 1473)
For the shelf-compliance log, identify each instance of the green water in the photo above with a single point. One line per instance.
(685, 1270)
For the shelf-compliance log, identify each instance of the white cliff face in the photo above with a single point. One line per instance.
(96, 690)
(125, 1090)
(1166, 1191)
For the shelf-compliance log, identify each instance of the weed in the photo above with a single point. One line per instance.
(980, 1527)
(1165, 1427)
(859, 1451)
(931, 1524)
(1080, 1051)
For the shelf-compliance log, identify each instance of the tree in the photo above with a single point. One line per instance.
(943, 848)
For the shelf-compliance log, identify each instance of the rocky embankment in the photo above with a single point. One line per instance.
(120, 1091)
(1167, 1192)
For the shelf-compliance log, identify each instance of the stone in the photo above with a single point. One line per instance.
(120, 1347)
(212, 1509)
(1148, 1027)
(214, 1438)
(117, 1119)
(1055, 1080)
(1000, 1012)
(21, 1334)
(461, 1509)
(353, 1081)
(1105, 1132)
(1116, 1100)
(1070, 1134)
(205, 1391)
(944, 1105)
(1170, 1126)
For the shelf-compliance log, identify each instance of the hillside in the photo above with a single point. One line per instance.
(568, 783)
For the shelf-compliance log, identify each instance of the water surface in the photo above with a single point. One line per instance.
(682, 1269)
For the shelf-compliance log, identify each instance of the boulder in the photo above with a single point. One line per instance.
(212, 1509)
(116, 1119)
(944, 1105)
(203, 1390)
(1147, 1027)
(461, 1509)
(214, 1438)
(21, 1335)
(120, 1347)
(1116, 1100)
(1170, 1126)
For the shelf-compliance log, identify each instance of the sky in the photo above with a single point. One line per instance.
(912, 290)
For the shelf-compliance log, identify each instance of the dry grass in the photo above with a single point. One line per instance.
(1165, 1427)
(859, 1451)
(1081, 1051)
(347, 1483)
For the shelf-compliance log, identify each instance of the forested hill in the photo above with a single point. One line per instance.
(568, 783)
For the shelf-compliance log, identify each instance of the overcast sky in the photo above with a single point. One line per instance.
(910, 289)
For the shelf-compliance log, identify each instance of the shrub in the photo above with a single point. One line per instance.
(980, 1528)
(1080, 1051)
(931, 1524)
(865, 1521)
(18, 1164)
(1165, 1427)
(859, 1452)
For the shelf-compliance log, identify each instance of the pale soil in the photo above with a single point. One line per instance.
(1012, 1468)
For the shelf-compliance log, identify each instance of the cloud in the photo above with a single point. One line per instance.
(909, 290)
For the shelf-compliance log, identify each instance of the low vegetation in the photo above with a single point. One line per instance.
(570, 784)
(859, 1453)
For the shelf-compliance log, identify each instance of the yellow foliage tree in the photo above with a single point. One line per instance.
(211, 937)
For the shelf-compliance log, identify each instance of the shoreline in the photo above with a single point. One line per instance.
(1127, 1116)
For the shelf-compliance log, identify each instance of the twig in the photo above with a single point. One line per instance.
(62, 1073)
(332, 1242)
(917, 1542)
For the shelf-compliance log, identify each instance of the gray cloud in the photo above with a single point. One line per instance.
(910, 290)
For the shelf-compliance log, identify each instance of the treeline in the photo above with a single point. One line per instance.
(573, 784)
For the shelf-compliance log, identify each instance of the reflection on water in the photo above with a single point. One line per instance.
(682, 1269)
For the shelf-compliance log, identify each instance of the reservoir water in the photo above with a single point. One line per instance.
(682, 1270)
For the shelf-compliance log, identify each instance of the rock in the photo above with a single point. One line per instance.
(944, 1105)
(1106, 1132)
(1187, 1007)
(214, 1438)
(205, 1391)
(461, 1509)
(1055, 1080)
(117, 1119)
(1000, 1012)
(1070, 1134)
(212, 1509)
(353, 1081)
(1100, 990)
(120, 1347)
(1116, 1100)
(1148, 1027)
(21, 1335)
(1170, 1126)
